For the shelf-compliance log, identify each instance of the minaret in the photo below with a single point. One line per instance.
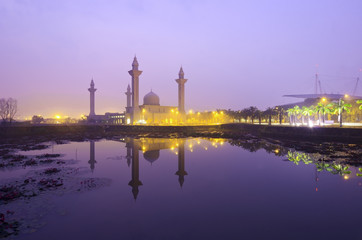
(135, 182)
(181, 163)
(128, 94)
(92, 90)
(181, 91)
(135, 73)
(92, 160)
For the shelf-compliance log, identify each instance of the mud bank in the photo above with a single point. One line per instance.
(353, 135)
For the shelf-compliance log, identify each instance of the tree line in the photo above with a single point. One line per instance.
(320, 111)
(294, 114)
(252, 114)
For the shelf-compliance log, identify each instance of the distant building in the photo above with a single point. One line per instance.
(108, 118)
(313, 99)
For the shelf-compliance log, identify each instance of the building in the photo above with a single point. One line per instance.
(152, 112)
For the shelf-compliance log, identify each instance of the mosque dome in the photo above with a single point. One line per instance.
(151, 155)
(151, 98)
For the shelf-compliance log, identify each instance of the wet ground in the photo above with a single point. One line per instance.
(179, 188)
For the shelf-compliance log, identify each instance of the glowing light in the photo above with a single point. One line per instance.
(324, 99)
(172, 110)
(143, 110)
(57, 116)
(276, 150)
(346, 95)
(190, 111)
(346, 177)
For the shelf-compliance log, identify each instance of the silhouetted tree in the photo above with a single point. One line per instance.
(3, 109)
(13, 108)
(270, 112)
(8, 109)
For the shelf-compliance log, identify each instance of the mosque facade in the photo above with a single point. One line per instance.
(152, 112)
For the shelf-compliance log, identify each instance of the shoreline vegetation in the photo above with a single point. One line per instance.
(230, 130)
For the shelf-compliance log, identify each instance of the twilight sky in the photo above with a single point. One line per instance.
(234, 53)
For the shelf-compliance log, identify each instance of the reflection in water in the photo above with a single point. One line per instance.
(151, 147)
(181, 163)
(92, 160)
(135, 182)
(151, 152)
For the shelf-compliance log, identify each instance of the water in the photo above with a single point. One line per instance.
(192, 189)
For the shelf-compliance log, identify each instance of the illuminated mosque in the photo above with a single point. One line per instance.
(151, 112)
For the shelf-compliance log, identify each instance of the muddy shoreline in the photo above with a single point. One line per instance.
(233, 131)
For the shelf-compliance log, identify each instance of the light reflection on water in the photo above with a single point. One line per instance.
(203, 189)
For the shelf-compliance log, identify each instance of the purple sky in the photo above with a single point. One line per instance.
(234, 53)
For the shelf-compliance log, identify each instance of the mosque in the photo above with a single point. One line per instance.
(151, 112)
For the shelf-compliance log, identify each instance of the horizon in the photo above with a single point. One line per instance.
(234, 55)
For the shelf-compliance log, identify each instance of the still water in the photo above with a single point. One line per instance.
(191, 189)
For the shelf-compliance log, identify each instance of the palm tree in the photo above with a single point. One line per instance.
(339, 108)
(297, 111)
(360, 102)
(269, 112)
(321, 109)
(281, 112)
(258, 114)
(307, 111)
(252, 112)
(290, 112)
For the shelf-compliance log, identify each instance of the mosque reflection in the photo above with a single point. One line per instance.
(151, 152)
(151, 147)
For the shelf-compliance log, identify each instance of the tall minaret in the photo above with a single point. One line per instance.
(135, 73)
(129, 94)
(181, 91)
(92, 90)
(181, 163)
